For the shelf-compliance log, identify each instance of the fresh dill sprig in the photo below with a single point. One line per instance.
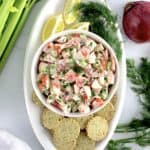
(102, 22)
(141, 138)
(140, 78)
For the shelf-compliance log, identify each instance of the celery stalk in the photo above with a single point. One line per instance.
(11, 24)
(21, 22)
(4, 13)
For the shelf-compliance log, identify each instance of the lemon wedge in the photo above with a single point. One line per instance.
(79, 25)
(69, 15)
(53, 25)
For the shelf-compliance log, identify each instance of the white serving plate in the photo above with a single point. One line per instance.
(51, 7)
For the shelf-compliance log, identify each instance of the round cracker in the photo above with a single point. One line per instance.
(114, 100)
(50, 120)
(83, 121)
(51, 132)
(68, 130)
(62, 145)
(107, 112)
(84, 142)
(97, 128)
(36, 100)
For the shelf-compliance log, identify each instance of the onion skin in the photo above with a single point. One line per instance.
(136, 21)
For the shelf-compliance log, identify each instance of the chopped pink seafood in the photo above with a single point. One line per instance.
(75, 73)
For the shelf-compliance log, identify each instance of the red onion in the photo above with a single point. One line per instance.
(136, 21)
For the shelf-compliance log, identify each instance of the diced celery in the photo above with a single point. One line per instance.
(108, 65)
(71, 62)
(104, 93)
(52, 69)
(83, 63)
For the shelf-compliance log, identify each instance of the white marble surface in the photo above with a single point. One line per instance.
(13, 115)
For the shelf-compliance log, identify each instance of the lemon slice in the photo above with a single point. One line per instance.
(69, 14)
(53, 25)
(79, 25)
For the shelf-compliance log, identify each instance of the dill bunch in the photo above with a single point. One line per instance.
(140, 78)
(102, 22)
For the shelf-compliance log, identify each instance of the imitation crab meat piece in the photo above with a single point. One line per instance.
(47, 48)
(96, 86)
(95, 74)
(68, 98)
(61, 107)
(58, 48)
(84, 95)
(56, 105)
(76, 89)
(56, 83)
(84, 52)
(96, 102)
(43, 82)
(103, 64)
(113, 64)
(76, 35)
(106, 55)
(80, 81)
(92, 58)
(89, 70)
(56, 86)
(70, 76)
(111, 77)
(61, 64)
(83, 108)
(87, 90)
(65, 54)
(102, 80)
(72, 42)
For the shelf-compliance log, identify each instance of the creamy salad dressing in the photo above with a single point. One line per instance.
(75, 73)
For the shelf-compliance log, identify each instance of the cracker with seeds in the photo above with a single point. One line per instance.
(84, 142)
(97, 128)
(62, 145)
(50, 120)
(68, 130)
(83, 121)
(36, 100)
(107, 112)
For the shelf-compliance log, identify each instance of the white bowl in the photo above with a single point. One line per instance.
(35, 64)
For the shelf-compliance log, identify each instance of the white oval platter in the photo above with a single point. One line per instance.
(51, 7)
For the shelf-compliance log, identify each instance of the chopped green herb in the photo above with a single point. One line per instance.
(77, 69)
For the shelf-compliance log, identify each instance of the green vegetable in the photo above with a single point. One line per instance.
(15, 33)
(11, 24)
(140, 78)
(5, 9)
(52, 69)
(78, 69)
(104, 93)
(142, 139)
(102, 22)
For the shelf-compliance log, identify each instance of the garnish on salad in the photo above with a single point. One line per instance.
(76, 73)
